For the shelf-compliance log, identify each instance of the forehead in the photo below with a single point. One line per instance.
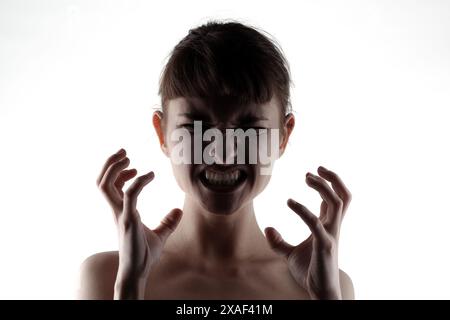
(222, 110)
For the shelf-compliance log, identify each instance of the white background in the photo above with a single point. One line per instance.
(78, 80)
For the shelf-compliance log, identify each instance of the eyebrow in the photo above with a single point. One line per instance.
(244, 120)
(250, 118)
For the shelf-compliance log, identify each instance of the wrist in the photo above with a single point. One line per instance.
(330, 293)
(326, 295)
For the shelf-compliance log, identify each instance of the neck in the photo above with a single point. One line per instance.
(215, 238)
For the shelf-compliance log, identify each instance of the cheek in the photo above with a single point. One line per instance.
(262, 180)
(182, 175)
(258, 181)
(180, 158)
(268, 153)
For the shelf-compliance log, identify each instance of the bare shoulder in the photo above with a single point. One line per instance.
(348, 292)
(97, 276)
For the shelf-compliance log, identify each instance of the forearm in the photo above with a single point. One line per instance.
(129, 289)
(327, 292)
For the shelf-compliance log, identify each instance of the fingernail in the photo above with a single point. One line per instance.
(323, 169)
(291, 201)
(150, 174)
(121, 151)
(311, 176)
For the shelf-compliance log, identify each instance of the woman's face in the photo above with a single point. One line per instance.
(222, 183)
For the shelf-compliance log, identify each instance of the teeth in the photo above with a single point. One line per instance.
(219, 178)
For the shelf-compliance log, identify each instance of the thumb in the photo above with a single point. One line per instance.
(277, 242)
(168, 224)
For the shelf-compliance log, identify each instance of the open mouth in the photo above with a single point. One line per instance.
(222, 181)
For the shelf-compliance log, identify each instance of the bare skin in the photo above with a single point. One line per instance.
(213, 248)
(170, 280)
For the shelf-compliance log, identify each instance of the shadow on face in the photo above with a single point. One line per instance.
(227, 150)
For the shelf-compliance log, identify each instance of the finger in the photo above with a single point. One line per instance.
(323, 217)
(123, 177)
(107, 184)
(133, 191)
(323, 212)
(114, 158)
(168, 224)
(277, 243)
(337, 184)
(317, 229)
(334, 203)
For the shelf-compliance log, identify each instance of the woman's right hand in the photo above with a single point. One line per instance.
(139, 247)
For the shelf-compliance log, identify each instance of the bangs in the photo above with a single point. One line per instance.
(238, 63)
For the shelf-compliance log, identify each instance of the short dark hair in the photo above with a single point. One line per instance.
(227, 59)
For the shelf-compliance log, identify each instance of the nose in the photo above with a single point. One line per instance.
(229, 149)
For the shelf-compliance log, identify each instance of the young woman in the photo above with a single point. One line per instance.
(222, 76)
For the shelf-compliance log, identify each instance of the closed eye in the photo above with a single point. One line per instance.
(259, 130)
(190, 126)
(256, 128)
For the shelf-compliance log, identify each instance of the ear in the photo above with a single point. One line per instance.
(289, 123)
(159, 128)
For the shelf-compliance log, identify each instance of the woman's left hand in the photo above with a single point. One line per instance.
(314, 262)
